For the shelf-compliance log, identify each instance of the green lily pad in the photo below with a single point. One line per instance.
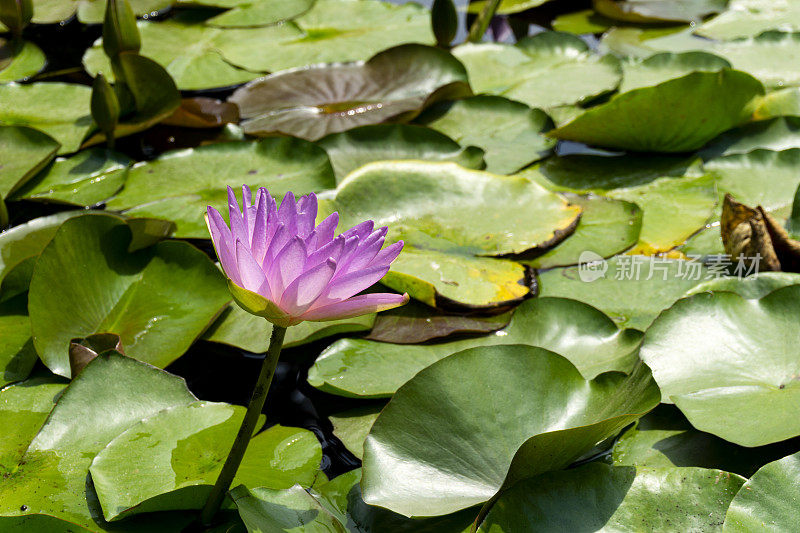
(579, 332)
(779, 103)
(319, 100)
(510, 133)
(19, 60)
(60, 110)
(647, 11)
(335, 506)
(487, 215)
(111, 394)
(89, 11)
(178, 185)
(770, 57)
(748, 18)
(25, 152)
(170, 461)
(616, 498)
(352, 149)
(780, 133)
(352, 426)
(20, 245)
(606, 228)
(246, 13)
(148, 297)
(642, 43)
(767, 501)
(665, 66)
(506, 7)
(760, 177)
(582, 22)
(664, 438)
(482, 447)
(17, 355)
(720, 357)
(546, 70)
(236, 327)
(84, 179)
(189, 51)
(332, 31)
(750, 287)
(678, 115)
(633, 290)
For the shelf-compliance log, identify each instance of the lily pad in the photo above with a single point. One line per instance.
(318, 100)
(665, 66)
(19, 60)
(510, 133)
(60, 110)
(616, 498)
(353, 149)
(678, 115)
(779, 103)
(485, 446)
(17, 355)
(25, 152)
(748, 18)
(84, 179)
(579, 332)
(88, 11)
(546, 70)
(736, 376)
(767, 501)
(110, 395)
(236, 327)
(633, 290)
(335, 506)
(750, 287)
(171, 460)
(189, 51)
(770, 57)
(664, 438)
(352, 426)
(606, 228)
(488, 215)
(648, 11)
(179, 185)
(148, 297)
(642, 43)
(506, 7)
(259, 13)
(777, 134)
(760, 177)
(332, 31)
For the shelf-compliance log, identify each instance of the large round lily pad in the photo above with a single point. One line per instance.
(25, 152)
(171, 460)
(352, 149)
(510, 133)
(748, 18)
(579, 332)
(770, 57)
(86, 281)
(487, 215)
(50, 478)
(19, 60)
(88, 11)
(546, 70)
(84, 179)
(17, 355)
(665, 66)
(678, 115)
(245, 13)
(439, 447)
(179, 185)
(322, 99)
(330, 32)
(779, 133)
(615, 499)
(768, 500)
(59, 109)
(722, 358)
(649, 11)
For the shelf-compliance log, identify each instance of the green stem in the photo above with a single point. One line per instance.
(478, 28)
(236, 454)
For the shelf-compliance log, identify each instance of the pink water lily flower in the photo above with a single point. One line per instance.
(284, 268)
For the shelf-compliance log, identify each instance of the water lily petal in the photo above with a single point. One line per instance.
(304, 290)
(306, 214)
(352, 283)
(258, 244)
(223, 243)
(238, 230)
(323, 233)
(289, 263)
(356, 306)
(388, 254)
(252, 277)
